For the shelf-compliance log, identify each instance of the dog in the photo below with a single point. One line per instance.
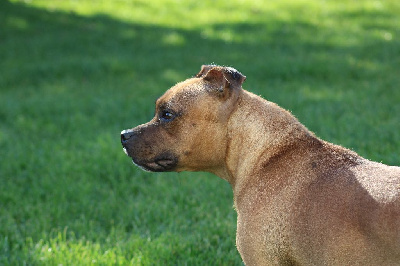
(299, 200)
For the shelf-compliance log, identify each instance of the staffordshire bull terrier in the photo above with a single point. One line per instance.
(299, 200)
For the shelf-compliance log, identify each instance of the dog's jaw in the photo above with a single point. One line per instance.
(163, 162)
(158, 165)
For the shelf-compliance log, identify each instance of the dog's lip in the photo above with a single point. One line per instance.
(156, 166)
(165, 162)
(161, 163)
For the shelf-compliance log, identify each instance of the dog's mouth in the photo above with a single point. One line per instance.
(161, 163)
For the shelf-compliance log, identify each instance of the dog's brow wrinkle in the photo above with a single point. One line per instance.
(163, 105)
(166, 105)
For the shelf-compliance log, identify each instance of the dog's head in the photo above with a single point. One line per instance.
(189, 129)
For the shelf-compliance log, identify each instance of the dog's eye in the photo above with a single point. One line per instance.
(166, 116)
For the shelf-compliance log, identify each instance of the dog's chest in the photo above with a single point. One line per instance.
(263, 224)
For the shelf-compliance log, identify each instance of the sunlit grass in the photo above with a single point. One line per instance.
(73, 74)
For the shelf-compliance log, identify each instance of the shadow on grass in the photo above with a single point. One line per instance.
(69, 84)
(53, 45)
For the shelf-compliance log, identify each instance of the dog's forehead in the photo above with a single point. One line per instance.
(182, 93)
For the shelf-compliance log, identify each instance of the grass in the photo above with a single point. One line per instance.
(73, 74)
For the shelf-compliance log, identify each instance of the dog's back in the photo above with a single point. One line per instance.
(350, 215)
(320, 204)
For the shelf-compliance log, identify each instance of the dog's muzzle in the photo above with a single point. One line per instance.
(165, 161)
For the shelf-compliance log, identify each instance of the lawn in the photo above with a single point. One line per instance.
(73, 74)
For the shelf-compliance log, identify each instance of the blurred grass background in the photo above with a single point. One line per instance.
(73, 74)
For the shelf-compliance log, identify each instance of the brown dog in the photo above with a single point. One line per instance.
(300, 200)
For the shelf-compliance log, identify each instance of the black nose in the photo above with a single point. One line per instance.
(125, 135)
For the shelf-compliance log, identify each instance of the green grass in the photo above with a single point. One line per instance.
(73, 74)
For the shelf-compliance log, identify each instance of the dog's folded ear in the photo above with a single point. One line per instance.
(214, 72)
(204, 70)
(233, 76)
(224, 78)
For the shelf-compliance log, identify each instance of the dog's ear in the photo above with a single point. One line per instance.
(233, 76)
(224, 79)
(204, 70)
(216, 73)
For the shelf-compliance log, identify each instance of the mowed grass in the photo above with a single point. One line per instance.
(73, 74)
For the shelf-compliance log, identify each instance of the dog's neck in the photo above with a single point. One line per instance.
(251, 140)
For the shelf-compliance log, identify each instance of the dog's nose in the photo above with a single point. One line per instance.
(125, 135)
